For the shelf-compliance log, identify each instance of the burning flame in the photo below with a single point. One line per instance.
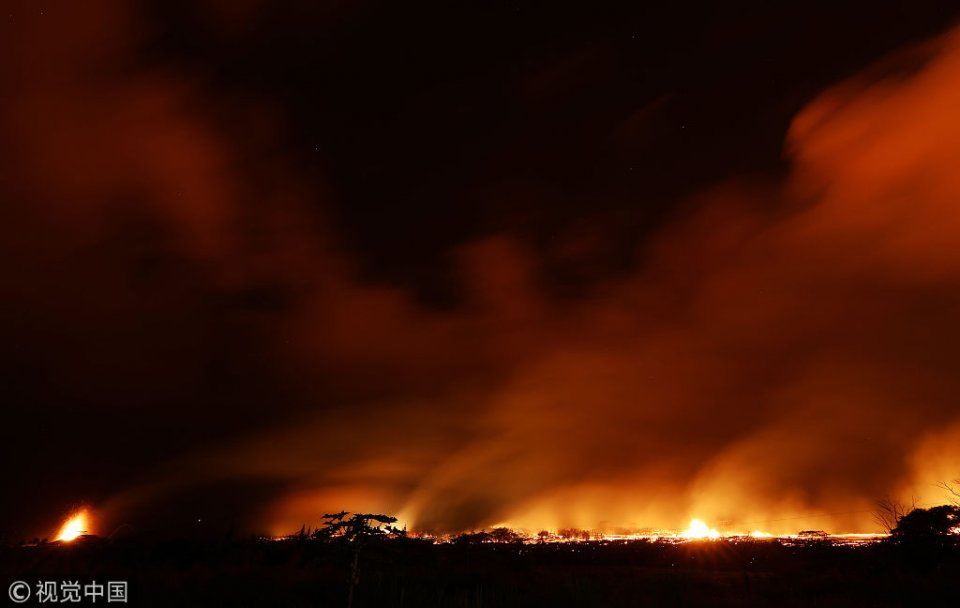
(698, 530)
(76, 525)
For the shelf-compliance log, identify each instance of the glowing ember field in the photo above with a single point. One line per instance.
(80, 523)
(851, 539)
(697, 531)
(699, 536)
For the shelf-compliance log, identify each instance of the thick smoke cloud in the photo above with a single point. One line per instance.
(781, 350)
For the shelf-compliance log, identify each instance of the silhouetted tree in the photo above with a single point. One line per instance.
(505, 535)
(888, 512)
(928, 524)
(356, 530)
(953, 489)
(357, 527)
(471, 538)
(573, 534)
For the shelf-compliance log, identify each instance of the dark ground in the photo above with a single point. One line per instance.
(416, 573)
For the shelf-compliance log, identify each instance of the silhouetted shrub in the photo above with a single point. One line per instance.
(933, 523)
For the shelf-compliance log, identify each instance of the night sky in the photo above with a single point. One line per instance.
(540, 263)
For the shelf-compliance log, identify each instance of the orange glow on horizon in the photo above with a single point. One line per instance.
(698, 530)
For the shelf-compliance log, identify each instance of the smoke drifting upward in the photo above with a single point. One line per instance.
(778, 350)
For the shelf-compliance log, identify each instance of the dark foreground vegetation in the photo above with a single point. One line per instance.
(400, 571)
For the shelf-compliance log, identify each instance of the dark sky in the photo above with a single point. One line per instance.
(378, 223)
(436, 122)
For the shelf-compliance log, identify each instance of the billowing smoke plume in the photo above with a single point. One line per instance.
(781, 352)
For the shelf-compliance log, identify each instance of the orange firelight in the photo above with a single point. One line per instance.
(697, 530)
(76, 525)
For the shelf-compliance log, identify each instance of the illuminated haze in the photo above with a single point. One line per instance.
(778, 348)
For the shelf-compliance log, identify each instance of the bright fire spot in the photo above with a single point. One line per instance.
(75, 526)
(699, 530)
(760, 534)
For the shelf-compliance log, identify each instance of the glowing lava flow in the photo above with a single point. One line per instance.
(74, 527)
(697, 530)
